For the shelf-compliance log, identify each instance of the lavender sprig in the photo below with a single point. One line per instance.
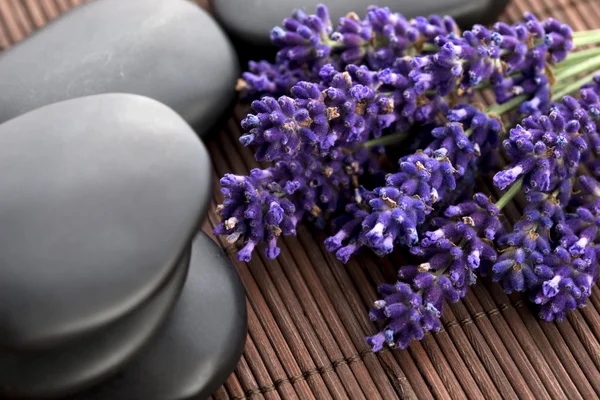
(343, 109)
(512, 58)
(571, 268)
(308, 42)
(345, 90)
(392, 214)
(587, 112)
(271, 202)
(451, 253)
(544, 150)
(549, 253)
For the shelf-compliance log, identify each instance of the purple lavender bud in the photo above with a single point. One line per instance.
(429, 176)
(344, 253)
(505, 178)
(423, 280)
(245, 254)
(550, 287)
(376, 341)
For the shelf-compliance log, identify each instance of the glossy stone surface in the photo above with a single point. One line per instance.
(252, 20)
(201, 342)
(99, 197)
(168, 50)
(69, 368)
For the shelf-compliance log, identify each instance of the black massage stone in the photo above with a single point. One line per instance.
(101, 197)
(201, 342)
(168, 50)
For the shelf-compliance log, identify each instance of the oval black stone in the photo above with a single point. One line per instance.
(100, 196)
(252, 20)
(168, 50)
(201, 342)
(75, 366)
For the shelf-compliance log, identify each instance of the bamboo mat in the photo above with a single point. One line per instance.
(308, 313)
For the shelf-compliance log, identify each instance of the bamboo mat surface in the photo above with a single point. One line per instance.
(308, 313)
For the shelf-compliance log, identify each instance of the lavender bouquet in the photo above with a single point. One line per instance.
(330, 112)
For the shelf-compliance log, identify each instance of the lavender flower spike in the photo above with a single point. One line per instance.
(508, 57)
(451, 254)
(308, 42)
(544, 150)
(572, 268)
(271, 202)
(345, 109)
(392, 214)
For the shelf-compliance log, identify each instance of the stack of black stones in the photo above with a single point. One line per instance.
(107, 289)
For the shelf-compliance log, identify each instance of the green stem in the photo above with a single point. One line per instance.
(430, 47)
(500, 109)
(590, 32)
(394, 138)
(586, 39)
(332, 43)
(483, 85)
(573, 87)
(584, 66)
(576, 58)
(508, 196)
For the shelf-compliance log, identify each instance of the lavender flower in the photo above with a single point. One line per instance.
(407, 316)
(383, 37)
(502, 56)
(528, 47)
(444, 71)
(342, 88)
(544, 150)
(453, 251)
(572, 268)
(410, 108)
(305, 47)
(304, 38)
(308, 42)
(395, 210)
(394, 35)
(281, 129)
(265, 77)
(562, 280)
(586, 112)
(550, 254)
(392, 214)
(271, 202)
(344, 109)
(545, 153)
(521, 261)
(558, 37)
(590, 98)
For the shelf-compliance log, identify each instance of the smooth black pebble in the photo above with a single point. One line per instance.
(81, 363)
(168, 50)
(201, 342)
(252, 20)
(100, 197)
